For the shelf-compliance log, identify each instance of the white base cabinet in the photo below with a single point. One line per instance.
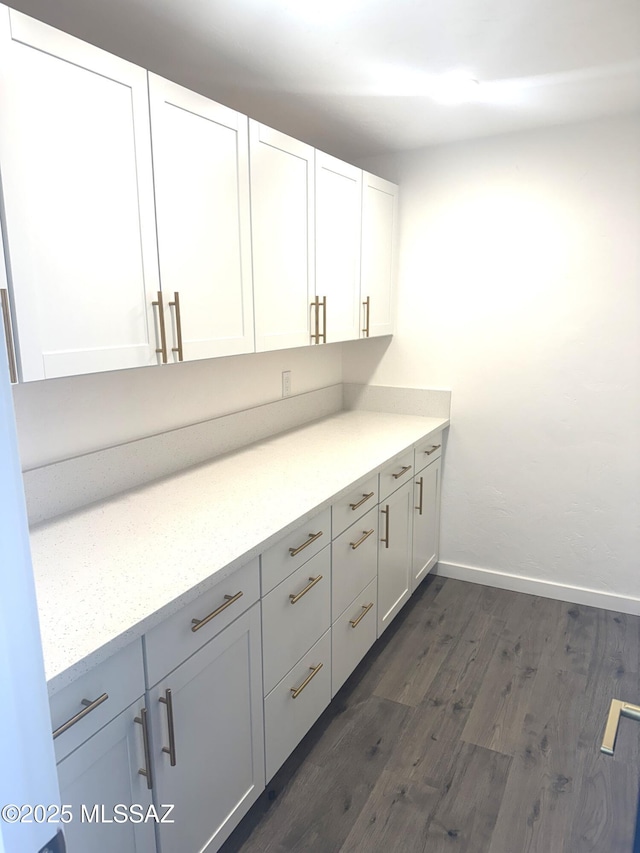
(426, 522)
(394, 554)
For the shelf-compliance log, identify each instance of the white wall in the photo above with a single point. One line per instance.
(61, 418)
(519, 289)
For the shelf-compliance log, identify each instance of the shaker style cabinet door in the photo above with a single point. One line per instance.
(394, 554)
(201, 174)
(338, 232)
(75, 158)
(426, 522)
(282, 215)
(379, 234)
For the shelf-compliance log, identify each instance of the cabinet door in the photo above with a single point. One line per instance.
(394, 554)
(426, 522)
(379, 234)
(282, 215)
(101, 774)
(338, 234)
(75, 155)
(217, 712)
(201, 173)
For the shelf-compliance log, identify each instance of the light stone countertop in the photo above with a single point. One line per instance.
(108, 573)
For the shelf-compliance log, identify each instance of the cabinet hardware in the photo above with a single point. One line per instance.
(365, 609)
(323, 334)
(146, 770)
(8, 334)
(617, 709)
(420, 483)
(433, 449)
(162, 349)
(316, 335)
(176, 304)
(366, 535)
(367, 308)
(313, 581)
(403, 472)
(296, 691)
(386, 526)
(229, 600)
(312, 538)
(167, 700)
(89, 707)
(360, 502)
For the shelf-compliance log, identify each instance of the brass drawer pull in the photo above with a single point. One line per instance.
(312, 538)
(323, 334)
(8, 334)
(316, 335)
(420, 483)
(402, 473)
(618, 709)
(363, 500)
(365, 609)
(313, 581)
(167, 700)
(296, 691)
(176, 304)
(367, 308)
(146, 770)
(433, 449)
(89, 707)
(366, 535)
(386, 526)
(162, 349)
(229, 600)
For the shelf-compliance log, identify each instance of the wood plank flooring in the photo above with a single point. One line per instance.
(473, 725)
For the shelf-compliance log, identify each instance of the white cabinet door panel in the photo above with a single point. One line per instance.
(379, 229)
(426, 522)
(394, 554)
(201, 173)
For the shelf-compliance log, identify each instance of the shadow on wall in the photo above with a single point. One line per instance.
(360, 359)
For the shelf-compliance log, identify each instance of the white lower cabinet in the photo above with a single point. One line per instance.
(101, 775)
(394, 554)
(426, 522)
(352, 635)
(207, 738)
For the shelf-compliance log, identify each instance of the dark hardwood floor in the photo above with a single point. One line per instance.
(473, 725)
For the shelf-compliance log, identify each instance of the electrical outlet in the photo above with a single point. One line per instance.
(286, 383)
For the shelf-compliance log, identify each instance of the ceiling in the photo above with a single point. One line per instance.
(352, 76)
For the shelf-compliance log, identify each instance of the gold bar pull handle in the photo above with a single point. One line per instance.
(365, 609)
(367, 307)
(315, 336)
(420, 483)
(433, 449)
(386, 526)
(402, 472)
(312, 538)
(229, 600)
(176, 304)
(89, 706)
(617, 709)
(360, 502)
(296, 691)
(365, 535)
(8, 335)
(312, 582)
(162, 349)
(146, 770)
(323, 335)
(167, 700)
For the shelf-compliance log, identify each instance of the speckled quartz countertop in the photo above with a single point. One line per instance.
(108, 573)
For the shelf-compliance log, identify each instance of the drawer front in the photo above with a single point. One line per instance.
(352, 635)
(292, 619)
(174, 640)
(121, 678)
(288, 717)
(283, 558)
(353, 506)
(428, 451)
(354, 561)
(395, 474)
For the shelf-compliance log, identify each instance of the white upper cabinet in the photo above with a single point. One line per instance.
(201, 173)
(338, 230)
(282, 220)
(75, 156)
(379, 230)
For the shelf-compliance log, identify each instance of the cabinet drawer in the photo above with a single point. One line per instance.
(395, 474)
(120, 678)
(288, 717)
(354, 567)
(283, 558)
(352, 635)
(354, 505)
(428, 451)
(292, 619)
(174, 640)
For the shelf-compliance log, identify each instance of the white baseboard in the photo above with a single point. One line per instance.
(546, 589)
